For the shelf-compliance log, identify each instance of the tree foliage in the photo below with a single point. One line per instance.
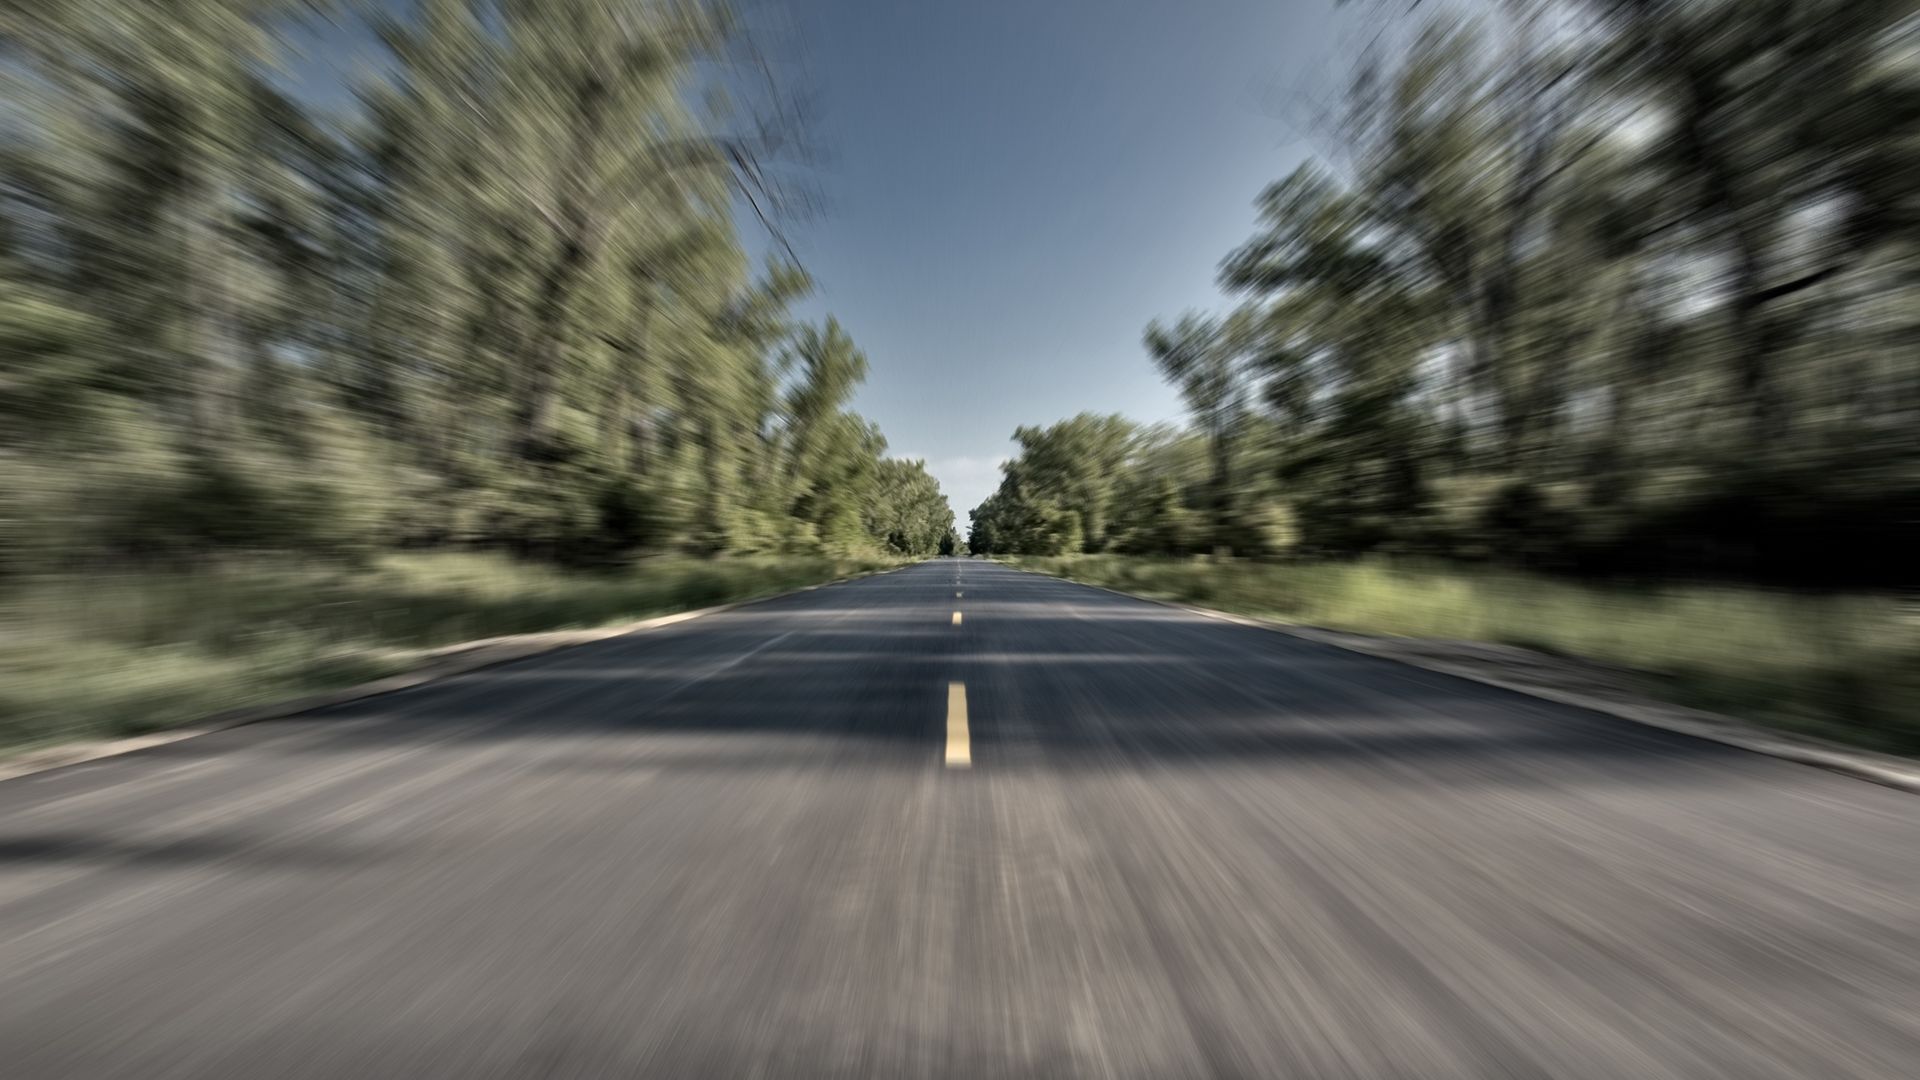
(1606, 285)
(499, 301)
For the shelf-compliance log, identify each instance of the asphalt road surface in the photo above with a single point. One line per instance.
(760, 843)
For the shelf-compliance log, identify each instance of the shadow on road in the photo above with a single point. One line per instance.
(1101, 682)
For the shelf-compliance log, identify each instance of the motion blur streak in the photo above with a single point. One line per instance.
(1234, 854)
(1595, 285)
(343, 339)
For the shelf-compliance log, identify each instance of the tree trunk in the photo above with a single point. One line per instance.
(576, 247)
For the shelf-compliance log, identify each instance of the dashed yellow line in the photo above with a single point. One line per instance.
(956, 618)
(959, 743)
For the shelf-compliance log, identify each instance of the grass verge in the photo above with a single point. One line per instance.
(100, 656)
(1843, 667)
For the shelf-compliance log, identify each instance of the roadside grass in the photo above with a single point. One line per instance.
(1843, 667)
(103, 655)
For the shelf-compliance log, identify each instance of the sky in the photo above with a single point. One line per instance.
(1014, 188)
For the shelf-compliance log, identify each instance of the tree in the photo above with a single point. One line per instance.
(502, 302)
(1588, 284)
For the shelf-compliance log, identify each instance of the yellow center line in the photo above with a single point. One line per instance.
(956, 618)
(959, 743)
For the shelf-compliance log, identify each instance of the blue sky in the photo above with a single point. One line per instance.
(1015, 187)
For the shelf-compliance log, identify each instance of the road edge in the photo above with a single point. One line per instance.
(1726, 730)
(442, 662)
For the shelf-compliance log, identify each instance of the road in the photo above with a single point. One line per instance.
(746, 846)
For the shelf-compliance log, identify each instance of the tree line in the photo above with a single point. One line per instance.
(1589, 285)
(498, 300)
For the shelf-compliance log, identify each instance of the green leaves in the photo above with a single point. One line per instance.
(1608, 285)
(501, 303)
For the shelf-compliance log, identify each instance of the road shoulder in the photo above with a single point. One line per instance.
(1579, 683)
(436, 663)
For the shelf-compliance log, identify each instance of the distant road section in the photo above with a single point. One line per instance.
(956, 821)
